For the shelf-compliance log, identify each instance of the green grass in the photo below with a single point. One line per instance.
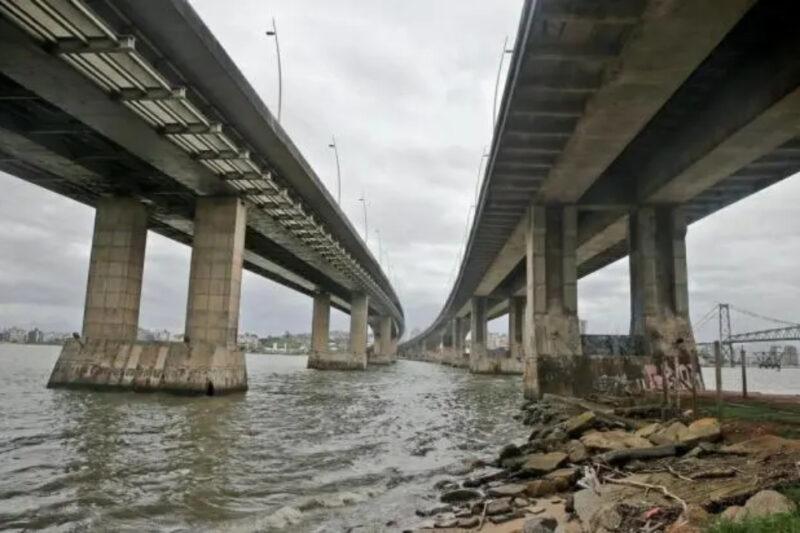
(778, 523)
(787, 415)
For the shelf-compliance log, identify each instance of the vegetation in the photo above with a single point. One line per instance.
(779, 523)
(784, 415)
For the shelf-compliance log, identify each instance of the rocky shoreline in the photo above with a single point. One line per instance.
(597, 467)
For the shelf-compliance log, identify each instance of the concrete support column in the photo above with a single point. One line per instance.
(552, 330)
(215, 277)
(383, 342)
(448, 342)
(659, 288)
(320, 324)
(480, 332)
(359, 311)
(114, 288)
(210, 362)
(459, 332)
(516, 324)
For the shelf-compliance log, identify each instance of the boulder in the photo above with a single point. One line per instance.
(704, 429)
(439, 509)
(577, 451)
(468, 522)
(564, 477)
(483, 476)
(499, 506)
(542, 487)
(734, 513)
(668, 435)
(542, 463)
(768, 502)
(578, 424)
(460, 495)
(541, 524)
(509, 450)
(511, 489)
(648, 430)
(613, 440)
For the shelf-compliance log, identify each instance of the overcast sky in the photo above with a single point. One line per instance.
(406, 87)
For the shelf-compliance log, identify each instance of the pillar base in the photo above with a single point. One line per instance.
(197, 368)
(487, 364)
(337, 361)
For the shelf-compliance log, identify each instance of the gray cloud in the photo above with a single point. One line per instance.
(406, 87)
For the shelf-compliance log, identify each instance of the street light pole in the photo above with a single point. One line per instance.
(478, 179)
(363, 201)
(497, 81)
(380, 247)
(274, 33)
(338, 171)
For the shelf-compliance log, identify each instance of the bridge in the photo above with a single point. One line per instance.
(133, 107)
(622, 123)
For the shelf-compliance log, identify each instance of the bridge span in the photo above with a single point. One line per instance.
(622, 123)
(133, 107)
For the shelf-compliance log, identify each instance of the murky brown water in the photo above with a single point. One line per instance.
(301, 451)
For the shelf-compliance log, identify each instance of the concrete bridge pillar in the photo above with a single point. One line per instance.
(320, 330)
(448, 343)
(382, 354)
(480, 333)
(359, 312)
(459, 333)
(659, 288)
(516, 324)
(109, 356)
(114, 287)
(552, 331)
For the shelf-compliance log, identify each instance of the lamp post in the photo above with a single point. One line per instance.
(380, 247)
(274, 33)
(478, 179)
(497, 81)
(363, 201)
(338, 170)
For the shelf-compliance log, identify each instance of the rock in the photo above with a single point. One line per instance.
(693, 520)
(499, 506)
(579, 423)
(768, 502)
(613, 440)
(701, 450)
(537, 510)
(446, 522)
(704, 429)
(542, 524)
(668, 435)
(542, 487)
(513, 463)
(734, 513)
(511, 489)
(469, 523)
(577, 451)
(607, 518)
(508, 451)
(505, 517)
(460, 495)
(445, 484)
(564, 476)
(648, 430)
(519, 502)
(542, 463)
(433, 511)
(483, 476)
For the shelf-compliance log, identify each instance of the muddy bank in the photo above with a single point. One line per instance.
(597, 467)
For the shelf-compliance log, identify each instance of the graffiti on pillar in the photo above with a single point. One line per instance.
(654, 381)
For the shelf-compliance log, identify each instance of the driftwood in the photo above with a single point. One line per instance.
(714, 473)
(660, 488)
(629, 454)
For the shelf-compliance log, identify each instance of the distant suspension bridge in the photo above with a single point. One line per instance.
(788, 331)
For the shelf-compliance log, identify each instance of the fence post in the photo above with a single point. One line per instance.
(744, 374)
(718, 369)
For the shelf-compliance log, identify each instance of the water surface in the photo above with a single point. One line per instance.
(302, 450)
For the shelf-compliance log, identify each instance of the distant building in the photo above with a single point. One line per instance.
(790, 356)
(35, 336)
(15, 334)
